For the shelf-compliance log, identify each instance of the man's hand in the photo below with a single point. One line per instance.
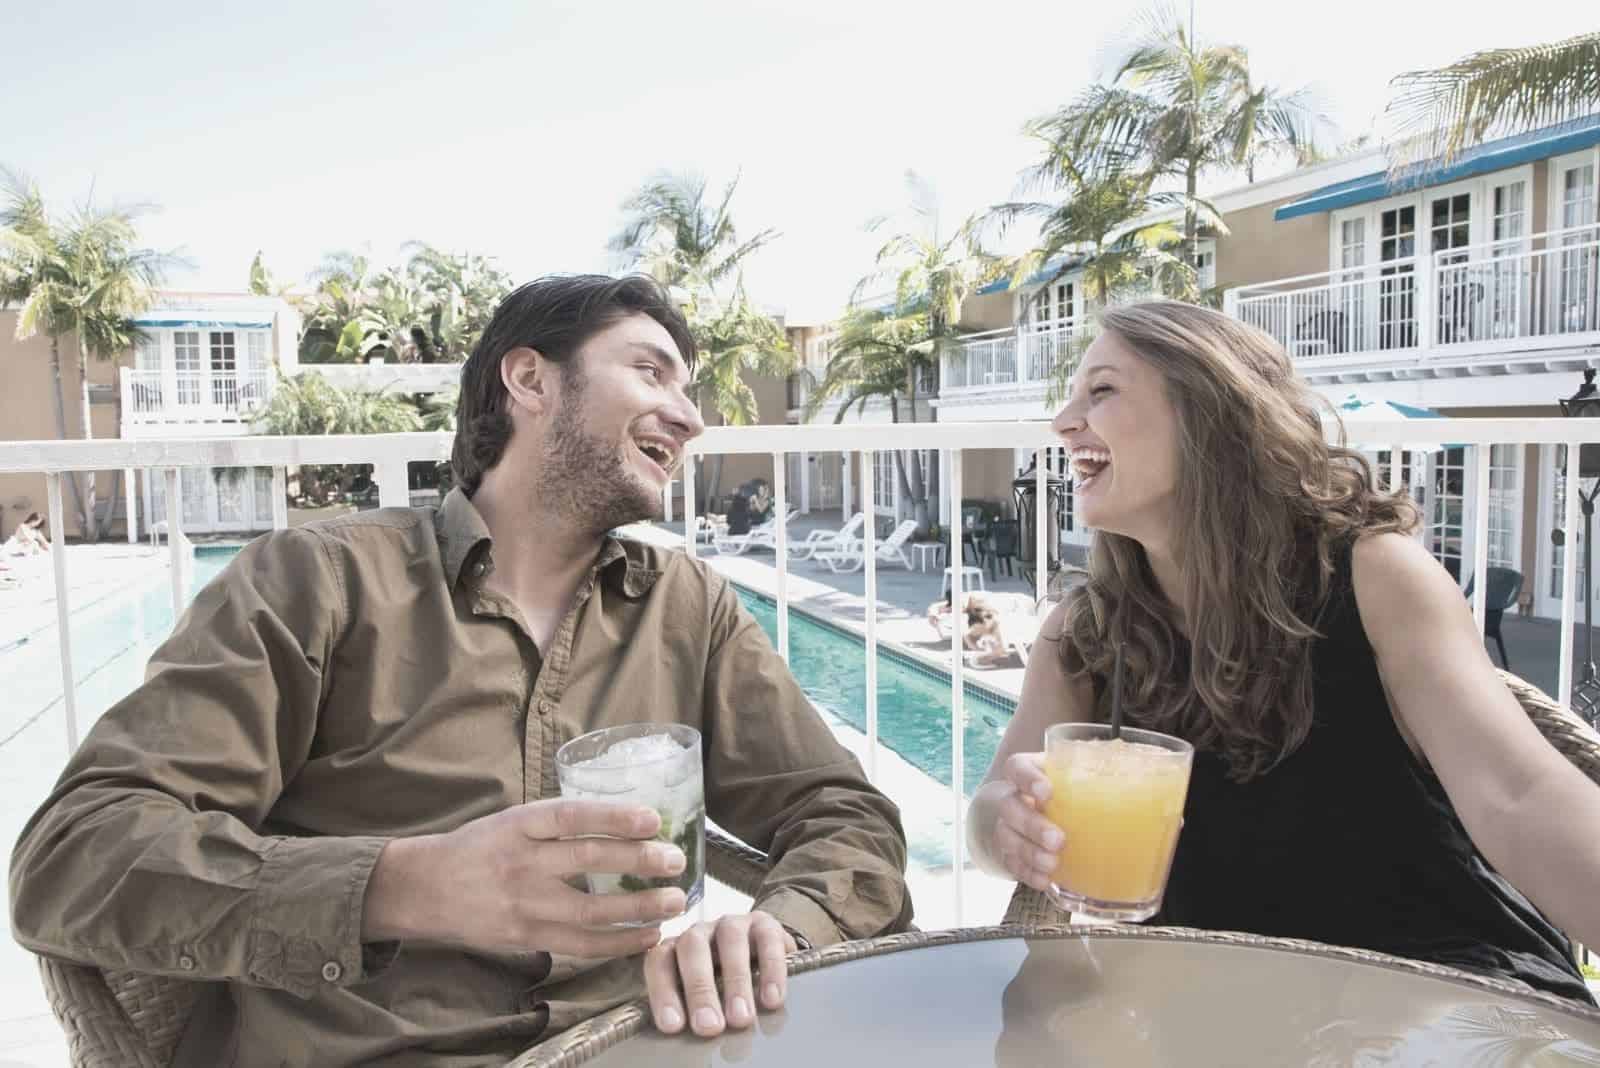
(687, 959)
(500, 882)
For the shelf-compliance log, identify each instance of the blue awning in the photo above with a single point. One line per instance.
(1049, 270)
(203, 324)
(1481, 159)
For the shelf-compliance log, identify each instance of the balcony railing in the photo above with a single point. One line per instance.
(390, 453)
(1023, 355)
(1523, 294)
(165, 396)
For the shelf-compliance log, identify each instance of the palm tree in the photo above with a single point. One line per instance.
(457, 296)
(1176, 110)
(735, 338)
(1437, 113)
(879, 352)
(86, 277)
(673, 233)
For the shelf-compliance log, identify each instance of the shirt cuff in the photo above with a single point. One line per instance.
(306, 932)
(802, 916)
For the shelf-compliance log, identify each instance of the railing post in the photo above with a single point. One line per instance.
(58, 554)
(1480, 537)
(1569, 576)
(280, 498)
(131, 509)
(805, 482)
(1424, 300)
(394, 484)
(957, 684)
(869, 549)
(1230, 303)
(175, 539)
(780, 497)
(689, 520)
(1041, 519)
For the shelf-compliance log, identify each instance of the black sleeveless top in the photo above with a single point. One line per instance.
(1351, 841)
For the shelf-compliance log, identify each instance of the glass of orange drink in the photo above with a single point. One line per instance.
(1119, 804)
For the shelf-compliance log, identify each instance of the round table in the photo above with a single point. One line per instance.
(1129, 996)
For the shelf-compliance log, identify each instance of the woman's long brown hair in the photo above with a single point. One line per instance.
(1265, 502)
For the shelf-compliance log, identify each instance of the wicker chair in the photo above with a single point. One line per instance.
(117, 1019)
(1575, 740)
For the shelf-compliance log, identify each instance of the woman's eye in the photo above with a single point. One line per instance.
(1099, 391)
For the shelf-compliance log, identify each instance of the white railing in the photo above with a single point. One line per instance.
(1022, 355)
(390, 454)
(172, 396)
(1537, 292)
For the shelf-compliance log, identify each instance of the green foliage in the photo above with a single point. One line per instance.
(673, 233)
(1439, 112)
(431, 309)
(310, 404)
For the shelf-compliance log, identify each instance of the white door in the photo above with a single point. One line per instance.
(1552, 516)
(1573, 292)
(1455, 297)
(1508, 279)
(1396, 305)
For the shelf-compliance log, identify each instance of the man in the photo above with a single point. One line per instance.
(335, 794)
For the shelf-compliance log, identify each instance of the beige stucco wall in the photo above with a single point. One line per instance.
(990, 311)
(28, 413)
(986, 475)
(1259, 249)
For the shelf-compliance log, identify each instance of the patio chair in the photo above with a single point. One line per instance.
(852, 556)
(824, 540)
(117, 1019)
(1504, 584)
(764, 536)
(1001, 547)
(1572, 737)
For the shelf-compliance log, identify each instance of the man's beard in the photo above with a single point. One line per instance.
(587, 479)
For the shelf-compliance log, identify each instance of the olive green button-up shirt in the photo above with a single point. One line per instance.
(345, 683)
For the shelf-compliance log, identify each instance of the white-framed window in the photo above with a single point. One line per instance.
(186, 362)
(147, 352)
(1205, 264)
(883, 482)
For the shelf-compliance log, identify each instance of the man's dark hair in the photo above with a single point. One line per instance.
(555, 315)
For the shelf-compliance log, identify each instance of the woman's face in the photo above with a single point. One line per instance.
(1121, 432)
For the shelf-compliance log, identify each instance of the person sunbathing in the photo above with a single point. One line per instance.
(983, 635)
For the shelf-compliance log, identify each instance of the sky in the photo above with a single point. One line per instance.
(516, 130)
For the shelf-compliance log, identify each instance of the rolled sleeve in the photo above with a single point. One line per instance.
(802, 916)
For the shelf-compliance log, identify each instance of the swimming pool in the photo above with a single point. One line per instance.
(113, 638)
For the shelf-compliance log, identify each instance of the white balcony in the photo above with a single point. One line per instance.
(1023, 358)
(1441, 314)
(162, 402)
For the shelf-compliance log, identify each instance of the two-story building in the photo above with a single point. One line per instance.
(1469, 289)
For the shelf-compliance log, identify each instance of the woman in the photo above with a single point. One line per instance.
(29, 538)
(982, 634)
(1362, 777)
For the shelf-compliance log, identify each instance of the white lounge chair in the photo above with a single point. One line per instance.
(827, 540)
(764, 535)
(852, 556)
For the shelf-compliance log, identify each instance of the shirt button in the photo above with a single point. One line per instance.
(479, 569)
(332, 972)
(186, 962)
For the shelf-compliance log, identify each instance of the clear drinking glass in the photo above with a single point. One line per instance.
(1119, 805)
(656, 765)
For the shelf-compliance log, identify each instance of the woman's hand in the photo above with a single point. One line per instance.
(1019, 839)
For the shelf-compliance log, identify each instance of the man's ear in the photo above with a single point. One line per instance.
(529, 378)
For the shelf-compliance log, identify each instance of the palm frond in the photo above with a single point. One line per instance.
(1437, 113)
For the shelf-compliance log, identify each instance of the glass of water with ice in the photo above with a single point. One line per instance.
(656, 765)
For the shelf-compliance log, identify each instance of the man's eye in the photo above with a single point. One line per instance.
(652, 370)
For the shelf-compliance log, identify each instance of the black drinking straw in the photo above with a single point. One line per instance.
(1116, 694)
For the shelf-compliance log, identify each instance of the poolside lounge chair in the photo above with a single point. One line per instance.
(852, 555)
(825, 540)
(764, 535)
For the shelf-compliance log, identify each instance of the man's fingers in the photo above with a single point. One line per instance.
(567, 818)
(612, 856)
(772, 945)
(661, 984)
(734, 950)
(699, 981)
(575, 908)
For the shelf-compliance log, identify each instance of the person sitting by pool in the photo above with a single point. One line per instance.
(333, 804)
(28, 539)
(982, 634)
(1362, 776)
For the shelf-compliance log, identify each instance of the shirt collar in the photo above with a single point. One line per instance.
(464, 538)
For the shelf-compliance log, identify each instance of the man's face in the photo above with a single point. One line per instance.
(620, 426)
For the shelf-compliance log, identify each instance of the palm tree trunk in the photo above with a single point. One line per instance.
(91, 526)
(1191, 218)
(61, 421)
